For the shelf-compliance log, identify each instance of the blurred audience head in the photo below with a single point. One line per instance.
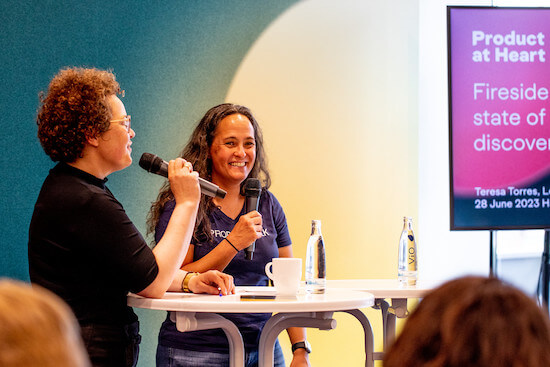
(37, 329)
(473, 322)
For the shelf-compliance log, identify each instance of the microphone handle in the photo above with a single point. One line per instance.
(251, 204)
(207, 187)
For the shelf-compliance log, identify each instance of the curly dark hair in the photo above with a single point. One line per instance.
(474, 322)
(197, 151)
(73, 109)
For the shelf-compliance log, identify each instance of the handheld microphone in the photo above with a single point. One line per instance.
(252, 190)
(154, 164)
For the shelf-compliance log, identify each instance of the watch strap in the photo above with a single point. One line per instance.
(305, 345)
(185, 282)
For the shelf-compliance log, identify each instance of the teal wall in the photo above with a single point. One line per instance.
(175, 59)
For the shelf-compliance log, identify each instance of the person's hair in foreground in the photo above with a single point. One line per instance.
(37, 329)
(73, 109)
(197, 151)
(473, 322)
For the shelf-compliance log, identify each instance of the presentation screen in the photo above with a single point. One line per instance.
(499, 117)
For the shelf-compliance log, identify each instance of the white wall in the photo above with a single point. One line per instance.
(444, 254)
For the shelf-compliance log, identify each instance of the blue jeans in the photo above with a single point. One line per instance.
(173, 357)
(112, 346)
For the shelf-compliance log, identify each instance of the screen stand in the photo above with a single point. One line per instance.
(492, 253)
(545, 276)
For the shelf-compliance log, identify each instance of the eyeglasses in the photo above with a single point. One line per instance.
(126, 121)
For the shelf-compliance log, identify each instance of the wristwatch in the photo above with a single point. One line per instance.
(185, 282)
(305, 344)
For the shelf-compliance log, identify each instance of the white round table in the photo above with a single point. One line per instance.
(199, 312)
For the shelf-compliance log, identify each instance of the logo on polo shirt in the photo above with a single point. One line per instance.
(222, 234)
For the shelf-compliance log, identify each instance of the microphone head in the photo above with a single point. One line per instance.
(152, 163)
(252, 187)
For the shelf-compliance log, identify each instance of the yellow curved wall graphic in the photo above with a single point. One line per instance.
(333, 85)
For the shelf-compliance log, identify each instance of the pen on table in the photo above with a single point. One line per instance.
(220, 291)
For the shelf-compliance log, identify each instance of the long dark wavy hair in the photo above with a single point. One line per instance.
(197, 151)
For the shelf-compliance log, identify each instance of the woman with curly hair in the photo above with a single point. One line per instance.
(473, 322)
(82, 245)
(226, 148)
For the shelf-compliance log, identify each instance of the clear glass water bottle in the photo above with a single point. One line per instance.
(408, 265)
(316, 268)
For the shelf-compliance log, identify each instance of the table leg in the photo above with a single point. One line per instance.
(388, 324)
(281, 321)
(398, 308)
(369, 337)
(321, 320)
(192, 321)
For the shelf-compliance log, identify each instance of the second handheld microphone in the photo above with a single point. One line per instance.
(252, 189)
(154, 164)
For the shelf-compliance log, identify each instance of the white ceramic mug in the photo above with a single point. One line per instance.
(286, 274)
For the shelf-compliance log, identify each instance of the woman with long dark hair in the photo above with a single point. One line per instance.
(227, 148)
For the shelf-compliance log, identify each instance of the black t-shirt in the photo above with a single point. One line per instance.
(84, 248)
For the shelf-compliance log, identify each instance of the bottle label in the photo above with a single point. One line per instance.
(411, 252)
(322, 265)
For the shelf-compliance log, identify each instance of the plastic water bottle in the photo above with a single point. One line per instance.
(316, 269)
(408, 264)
